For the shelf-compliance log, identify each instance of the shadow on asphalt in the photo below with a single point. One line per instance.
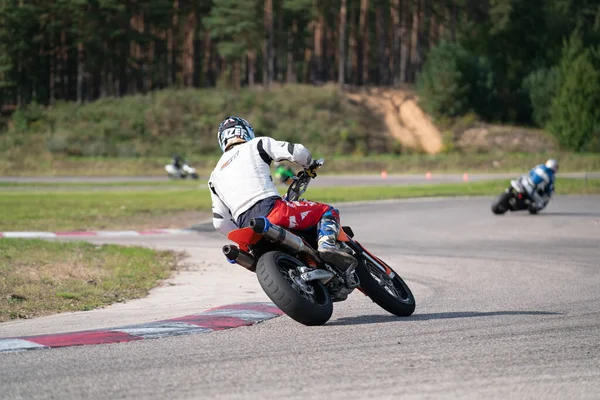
(380, 319)
(569, 214)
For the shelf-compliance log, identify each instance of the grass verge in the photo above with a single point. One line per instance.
(149, 184)
(38, 277)
(77, 210)
(50, 165)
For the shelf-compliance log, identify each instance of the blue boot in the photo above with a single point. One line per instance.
(330, 250)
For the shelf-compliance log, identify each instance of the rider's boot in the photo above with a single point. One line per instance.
(329, 248)
(538, 201)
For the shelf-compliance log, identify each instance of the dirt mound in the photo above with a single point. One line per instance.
(403, 117)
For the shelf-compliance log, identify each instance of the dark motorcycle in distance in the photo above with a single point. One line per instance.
(299, 282)
(515, 198)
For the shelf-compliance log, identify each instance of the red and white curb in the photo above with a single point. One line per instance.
(93, 233)
(215, 319)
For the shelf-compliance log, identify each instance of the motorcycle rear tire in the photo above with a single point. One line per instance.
(287, 295)
(501, 205)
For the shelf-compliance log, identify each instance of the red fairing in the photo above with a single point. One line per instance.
(244, 237)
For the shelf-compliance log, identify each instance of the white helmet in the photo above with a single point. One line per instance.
(552, 164)
(234, 128)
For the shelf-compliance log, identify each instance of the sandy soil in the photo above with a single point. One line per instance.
(403, 117)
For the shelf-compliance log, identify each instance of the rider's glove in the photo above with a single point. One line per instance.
(311, 172)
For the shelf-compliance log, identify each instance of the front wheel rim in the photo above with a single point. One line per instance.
(394, 287)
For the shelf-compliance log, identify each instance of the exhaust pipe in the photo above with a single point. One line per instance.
(241, 257)
(317, 274)
(280, 236)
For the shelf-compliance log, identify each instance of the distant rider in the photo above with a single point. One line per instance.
(242, 188)
(539, 183)
(178, 162)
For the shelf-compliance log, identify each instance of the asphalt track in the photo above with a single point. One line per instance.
(507, 307)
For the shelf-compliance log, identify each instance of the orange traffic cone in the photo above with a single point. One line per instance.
(428, 176)
(384, 174)
(465, 177)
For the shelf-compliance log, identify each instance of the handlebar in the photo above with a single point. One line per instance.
(302, 179)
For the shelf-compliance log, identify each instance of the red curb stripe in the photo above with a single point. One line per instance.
(252, 307)
(82, 338)
(76, 233)
(214, 322)
(1, 235)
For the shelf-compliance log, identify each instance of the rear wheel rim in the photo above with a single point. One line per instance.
(395, 287)
(288, 267)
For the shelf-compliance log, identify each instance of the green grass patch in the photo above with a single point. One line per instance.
(166, 184)
(36, 164)
(77, 210)
(39, 277)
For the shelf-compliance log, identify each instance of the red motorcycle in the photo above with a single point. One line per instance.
(299, 282)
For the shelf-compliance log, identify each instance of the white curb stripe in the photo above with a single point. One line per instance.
(117, 233)
(19, 344)
(249, 315)
(86, 234)
(161, 329)
(28, 234)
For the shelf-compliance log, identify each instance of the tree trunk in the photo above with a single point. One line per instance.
(268, 44)
(169, 80)
(173, 41)
(215, 68)
(318, 57)
(424, 30)
(405, 37)
(290, 72)
(308, 71)
(62, 67)
(395, 36)
(352, 47)
(364, 38)
(188, 52)
(80, 68)
(381, 45)
(251, 67)
(415, 44)
(151, 62)
(330, 53)
(280, 48)
(206, 60)
(144, 57)
(51, 69)
(453, 22)
(342, 45)
(237, 74)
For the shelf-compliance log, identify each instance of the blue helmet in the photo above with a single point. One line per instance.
(234, 127)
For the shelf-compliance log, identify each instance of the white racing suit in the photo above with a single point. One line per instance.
(242, 188)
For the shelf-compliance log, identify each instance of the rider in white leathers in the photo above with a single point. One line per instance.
(242, 188)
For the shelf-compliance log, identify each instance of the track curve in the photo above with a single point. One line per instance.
(506, 307)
